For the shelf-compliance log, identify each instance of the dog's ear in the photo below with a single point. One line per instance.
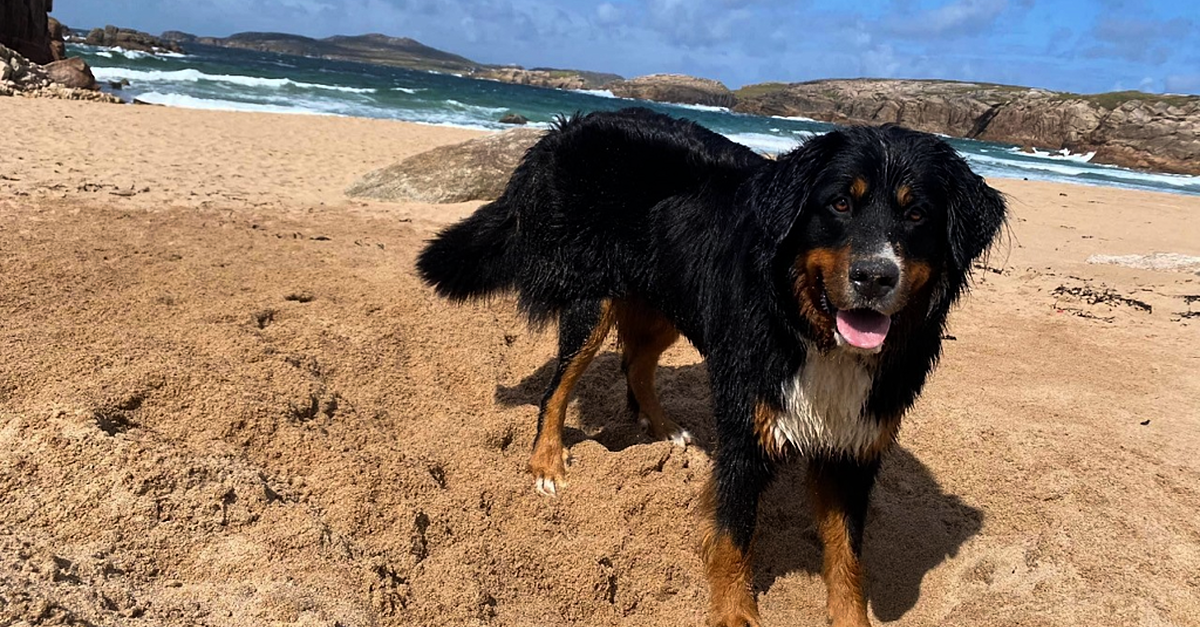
(779, 191)
(975, 213)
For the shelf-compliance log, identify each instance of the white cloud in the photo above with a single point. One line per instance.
(608, 13)
(961, 18)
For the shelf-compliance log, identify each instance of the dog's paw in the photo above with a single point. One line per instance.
(549, 473)
(666, 430)
(680, 438)
(547, 486)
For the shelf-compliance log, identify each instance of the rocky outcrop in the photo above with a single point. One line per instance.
(24, 28)
(1130, 129)
(112, 37)
(473, 170)
(19, 77)
(517, 76)
(180, 37)
(677, 88)
(549, 78)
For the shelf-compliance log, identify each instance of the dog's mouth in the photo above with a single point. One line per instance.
(862, 328)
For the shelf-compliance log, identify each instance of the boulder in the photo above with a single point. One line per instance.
(71, 72)
(677, 88)
(513, 118)
(477, 169)
(58, 45)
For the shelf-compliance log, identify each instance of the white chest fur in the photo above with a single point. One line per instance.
(823, 405)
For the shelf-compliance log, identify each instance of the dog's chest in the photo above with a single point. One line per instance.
(823, 405)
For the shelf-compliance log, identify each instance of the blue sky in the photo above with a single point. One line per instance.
(1075, 45)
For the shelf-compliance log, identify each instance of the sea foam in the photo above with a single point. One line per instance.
(216, 104)
(1064, 154)
(190, 75)
(764, 142)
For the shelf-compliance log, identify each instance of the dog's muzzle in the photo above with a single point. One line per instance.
(873, 285)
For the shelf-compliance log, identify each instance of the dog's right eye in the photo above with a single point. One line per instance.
(841, 204)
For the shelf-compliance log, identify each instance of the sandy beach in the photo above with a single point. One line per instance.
(226, 399)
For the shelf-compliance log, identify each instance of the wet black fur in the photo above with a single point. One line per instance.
(634, 204)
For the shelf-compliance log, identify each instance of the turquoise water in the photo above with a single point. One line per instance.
(240, 80)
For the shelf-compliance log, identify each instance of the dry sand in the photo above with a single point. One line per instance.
(225, 399)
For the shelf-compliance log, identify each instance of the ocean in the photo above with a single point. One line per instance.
(242, 80)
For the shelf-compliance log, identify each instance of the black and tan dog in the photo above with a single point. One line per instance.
(816, 286)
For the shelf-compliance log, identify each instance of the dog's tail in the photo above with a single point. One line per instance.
(471, 259)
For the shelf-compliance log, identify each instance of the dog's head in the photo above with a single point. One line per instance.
(873, 226)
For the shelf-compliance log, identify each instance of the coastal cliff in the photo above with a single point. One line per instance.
(25, 28)
(371, 48)
(1130, 129)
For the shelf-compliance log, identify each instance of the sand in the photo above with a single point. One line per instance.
(225, 399)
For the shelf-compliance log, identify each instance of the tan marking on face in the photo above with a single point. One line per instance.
(903, 195)
(729, 572)
(914, 289)
(916, 275)
(858, 187)
(829, 267)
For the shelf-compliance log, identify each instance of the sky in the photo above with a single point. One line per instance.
(1084, 46)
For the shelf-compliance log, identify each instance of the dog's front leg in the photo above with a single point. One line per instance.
(742, 472)
(840, 489)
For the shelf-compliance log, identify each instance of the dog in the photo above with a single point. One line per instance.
(816, 286)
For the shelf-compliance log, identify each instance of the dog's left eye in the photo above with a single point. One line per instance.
(841, 204)
(915, 215)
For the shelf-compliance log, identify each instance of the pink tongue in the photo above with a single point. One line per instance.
(863, 328)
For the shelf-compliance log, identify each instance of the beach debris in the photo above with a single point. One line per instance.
(1153, 261)
(300, 297)
(1088, 295)
(1189, 300)
(474, 170)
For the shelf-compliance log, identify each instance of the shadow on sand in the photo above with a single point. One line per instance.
(912, 526)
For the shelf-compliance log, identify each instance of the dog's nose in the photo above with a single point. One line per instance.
(875, 277)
